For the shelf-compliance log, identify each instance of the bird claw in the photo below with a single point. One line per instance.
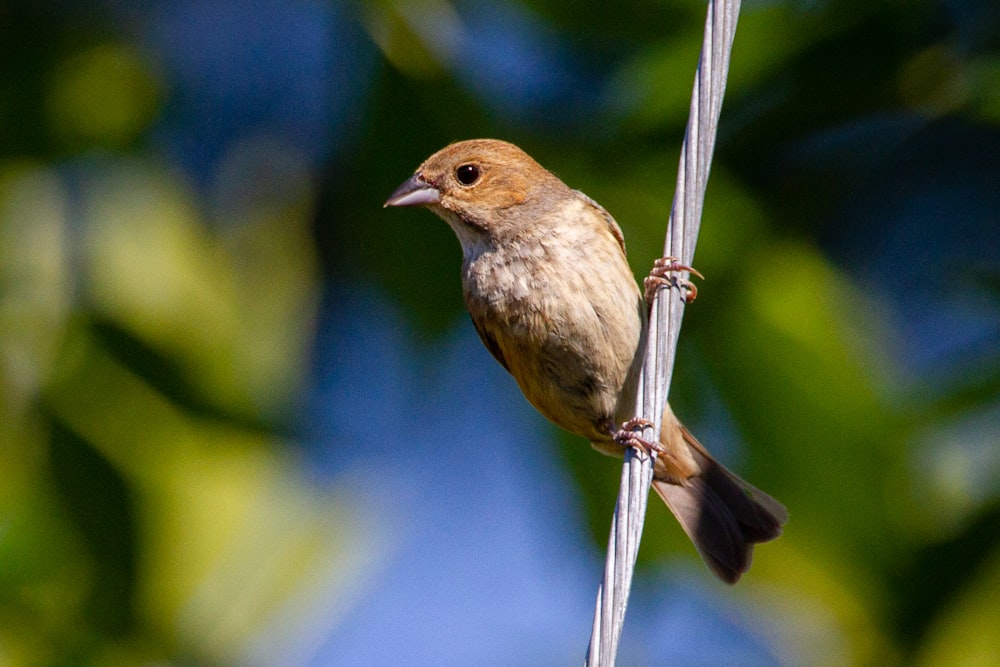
(627, 436)
(657, 278)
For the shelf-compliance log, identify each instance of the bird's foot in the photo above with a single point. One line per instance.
(628, 436)
(658, 277)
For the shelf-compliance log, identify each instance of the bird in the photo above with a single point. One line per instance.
(547, 284)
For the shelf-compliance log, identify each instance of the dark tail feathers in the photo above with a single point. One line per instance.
(723, 515)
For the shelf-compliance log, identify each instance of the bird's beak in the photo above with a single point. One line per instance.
(414, 191)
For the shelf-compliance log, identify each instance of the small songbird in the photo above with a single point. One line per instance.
(549, 289)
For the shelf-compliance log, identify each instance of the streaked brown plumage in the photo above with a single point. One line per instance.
(551, 294)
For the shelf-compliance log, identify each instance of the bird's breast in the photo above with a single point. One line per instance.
(564, 315)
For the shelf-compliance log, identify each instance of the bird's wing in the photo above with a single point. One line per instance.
(490, 341)
(613, 227)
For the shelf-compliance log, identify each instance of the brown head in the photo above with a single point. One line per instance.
(481, 187)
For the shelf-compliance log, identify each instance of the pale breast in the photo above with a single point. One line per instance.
(561, 310)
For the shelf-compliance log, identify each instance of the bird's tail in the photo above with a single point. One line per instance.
(723, 515)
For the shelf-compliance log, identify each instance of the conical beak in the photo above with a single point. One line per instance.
(414, 191)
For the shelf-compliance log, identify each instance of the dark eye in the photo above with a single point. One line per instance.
(467, 174)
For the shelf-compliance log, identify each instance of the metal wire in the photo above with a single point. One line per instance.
(664, 329)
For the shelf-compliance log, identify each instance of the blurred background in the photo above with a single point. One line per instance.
(244, 419)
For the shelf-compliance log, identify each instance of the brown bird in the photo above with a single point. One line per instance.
(550, 292)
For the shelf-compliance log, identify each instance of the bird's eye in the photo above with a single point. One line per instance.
(467, 174)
